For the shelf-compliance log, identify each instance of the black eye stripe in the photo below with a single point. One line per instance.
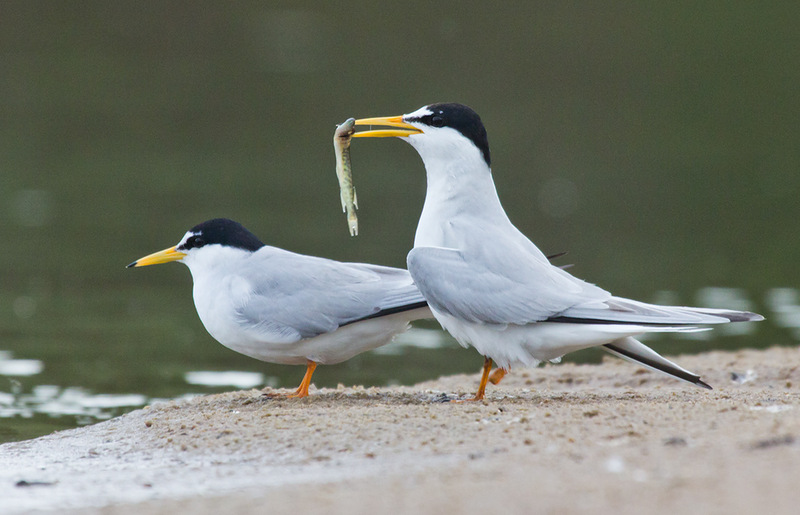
(193, 242)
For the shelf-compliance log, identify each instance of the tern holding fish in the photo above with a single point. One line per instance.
(490, 286)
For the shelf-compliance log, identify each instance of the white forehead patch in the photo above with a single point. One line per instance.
(419, 113)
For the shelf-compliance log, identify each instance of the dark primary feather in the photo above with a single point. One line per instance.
(633, 350)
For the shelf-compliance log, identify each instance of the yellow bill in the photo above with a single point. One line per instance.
(164, 256)
(403, 129)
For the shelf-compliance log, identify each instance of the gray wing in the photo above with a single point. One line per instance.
(507, 289)
(294, 296)
(499, 289)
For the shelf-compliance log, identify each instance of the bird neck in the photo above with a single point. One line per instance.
(213, 261)
(459, 191)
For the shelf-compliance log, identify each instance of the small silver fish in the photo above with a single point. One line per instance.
(347, 192)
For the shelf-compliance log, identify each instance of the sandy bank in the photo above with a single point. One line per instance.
(565, 438)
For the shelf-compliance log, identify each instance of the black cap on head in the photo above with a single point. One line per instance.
(223, 232)
(461, 118)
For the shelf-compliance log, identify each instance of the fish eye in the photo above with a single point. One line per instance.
(437, 121)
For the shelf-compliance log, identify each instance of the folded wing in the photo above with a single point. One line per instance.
(509, 291)
(293, 297)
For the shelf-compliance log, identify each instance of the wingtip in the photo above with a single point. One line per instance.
(741, 316)
(653, 361)
(703, 384)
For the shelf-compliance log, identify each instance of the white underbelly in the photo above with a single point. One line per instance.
(329, 348)
(528, 345)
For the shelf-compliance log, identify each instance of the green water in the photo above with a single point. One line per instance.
(657, 143)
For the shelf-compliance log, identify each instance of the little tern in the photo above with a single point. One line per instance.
(287, 308)
(490, 286)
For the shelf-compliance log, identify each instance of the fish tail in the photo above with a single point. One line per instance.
(352, 221)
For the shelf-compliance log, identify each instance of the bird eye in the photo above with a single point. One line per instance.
(194, 242)
(437, 121)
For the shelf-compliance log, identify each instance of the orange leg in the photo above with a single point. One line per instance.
(302, 390)
(497, 375)
(487, 366)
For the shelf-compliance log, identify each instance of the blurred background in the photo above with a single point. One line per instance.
(658, 143)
